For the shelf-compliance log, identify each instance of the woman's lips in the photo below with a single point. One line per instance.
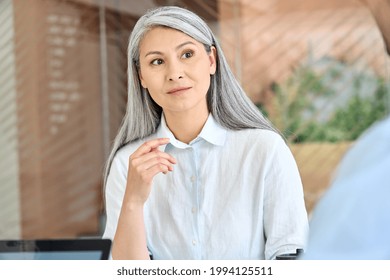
(178, 90)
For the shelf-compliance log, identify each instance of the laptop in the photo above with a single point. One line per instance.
(55, 249)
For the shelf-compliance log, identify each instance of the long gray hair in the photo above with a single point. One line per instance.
(226, 100)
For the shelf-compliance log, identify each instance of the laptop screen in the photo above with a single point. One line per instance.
(55, 249)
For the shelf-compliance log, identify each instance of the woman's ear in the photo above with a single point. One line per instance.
(213, 60)
(141, 79)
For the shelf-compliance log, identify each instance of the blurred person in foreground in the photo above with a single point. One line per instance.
(352, 220)
(196, 171)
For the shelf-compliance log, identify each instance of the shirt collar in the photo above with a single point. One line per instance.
(211, 132)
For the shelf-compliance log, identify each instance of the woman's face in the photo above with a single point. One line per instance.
(176, 69)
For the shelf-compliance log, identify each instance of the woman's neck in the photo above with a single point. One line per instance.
(184, 126)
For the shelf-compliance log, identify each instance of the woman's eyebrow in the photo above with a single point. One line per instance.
(177, 48)
(183, 44)
(153, 52)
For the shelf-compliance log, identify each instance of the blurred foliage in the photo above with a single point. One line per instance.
(328, 101)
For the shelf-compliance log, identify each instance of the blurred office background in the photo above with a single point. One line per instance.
(318, 69)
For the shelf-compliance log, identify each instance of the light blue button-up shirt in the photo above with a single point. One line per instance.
(231, 195)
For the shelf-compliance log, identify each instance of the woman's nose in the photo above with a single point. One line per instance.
(175, 71)
(177, 77)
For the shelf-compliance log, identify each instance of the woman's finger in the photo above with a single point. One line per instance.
(154, 170)
(155, 153)
(148, 146)
(140, 164)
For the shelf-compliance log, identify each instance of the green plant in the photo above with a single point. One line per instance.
(329, 101)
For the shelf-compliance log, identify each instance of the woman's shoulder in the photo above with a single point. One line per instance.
(259, 145)
(262, 144)
(257, 136)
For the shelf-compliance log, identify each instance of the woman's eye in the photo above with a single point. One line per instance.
(156, 61)
(187, 54)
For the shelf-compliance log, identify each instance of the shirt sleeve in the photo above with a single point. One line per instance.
(114, 192)
(285, 216)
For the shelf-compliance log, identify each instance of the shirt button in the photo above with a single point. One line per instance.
(194, 242)
(193, 210)
(192, 178)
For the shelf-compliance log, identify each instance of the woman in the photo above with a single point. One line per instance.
(196, 171)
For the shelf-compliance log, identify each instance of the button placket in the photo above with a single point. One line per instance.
(193, 180)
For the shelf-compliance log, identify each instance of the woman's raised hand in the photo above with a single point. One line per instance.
(145, 163)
